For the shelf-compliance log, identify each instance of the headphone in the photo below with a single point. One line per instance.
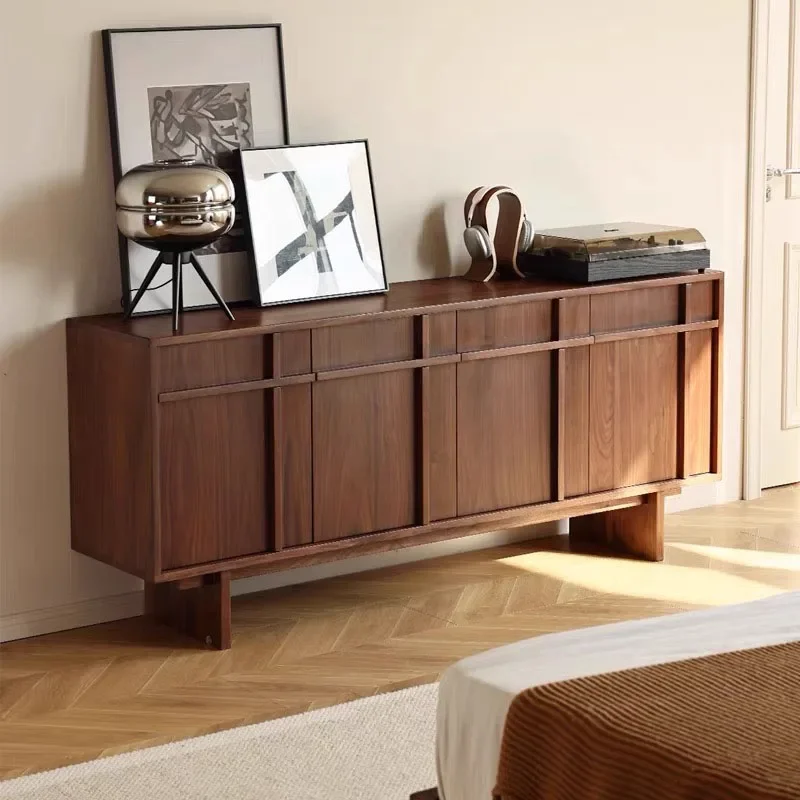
(513, 234)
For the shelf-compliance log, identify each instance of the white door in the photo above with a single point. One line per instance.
(780, 391)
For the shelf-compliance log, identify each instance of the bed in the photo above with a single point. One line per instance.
(476, 693)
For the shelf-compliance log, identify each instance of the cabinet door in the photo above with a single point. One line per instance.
(214, 478)
(633, 412)
(365, 470)
(504, 432)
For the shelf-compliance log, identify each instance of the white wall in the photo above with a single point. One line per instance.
(594, 111)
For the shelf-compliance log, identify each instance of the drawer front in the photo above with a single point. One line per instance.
(505, 326)
(700, 302)
(362, 344)
(191, 366)
(226, 361)
(636, 308)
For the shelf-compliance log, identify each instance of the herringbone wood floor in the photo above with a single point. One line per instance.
(82, 694)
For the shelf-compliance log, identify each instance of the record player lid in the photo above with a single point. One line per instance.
(615, 240)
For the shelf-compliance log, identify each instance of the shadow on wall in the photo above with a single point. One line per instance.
(433, 253)
(440, 246)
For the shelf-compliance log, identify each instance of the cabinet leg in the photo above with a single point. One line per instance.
(637, 531)
(202, 611)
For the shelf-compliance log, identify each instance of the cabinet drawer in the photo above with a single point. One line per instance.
(191, 366)
(225, 361)
(505, 326)
(363, 343)
(636, 308)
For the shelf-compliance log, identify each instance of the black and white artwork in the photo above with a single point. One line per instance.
(313, 222)
(201, 122)
(200, 93)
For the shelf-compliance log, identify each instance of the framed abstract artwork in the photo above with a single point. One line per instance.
(314, 223)
(199, 93)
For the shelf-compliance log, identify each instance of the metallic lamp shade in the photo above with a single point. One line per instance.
(178, 205)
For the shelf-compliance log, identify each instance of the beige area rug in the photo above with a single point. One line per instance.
(377, 748)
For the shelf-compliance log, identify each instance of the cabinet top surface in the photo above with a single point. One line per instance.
(403, 299)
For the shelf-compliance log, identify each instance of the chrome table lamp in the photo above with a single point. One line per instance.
(175, 207)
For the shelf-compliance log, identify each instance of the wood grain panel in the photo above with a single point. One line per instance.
(505, 326)
(442, 442)
(214, 478)
(558, 374)
(202, 612)
(362, 343)
(442, 334)
(110, 447)
(697, 426)
(190, 366)
(576, 421)
(297, 465)
(636, 532)
(637, 308)
(275, 464)
(633, 420)
(504, 432)
(573, 317)
(699, 301)
(364, 454)
(295, 353)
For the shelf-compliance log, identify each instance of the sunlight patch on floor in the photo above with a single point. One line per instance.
(758, 559)
(666, 582)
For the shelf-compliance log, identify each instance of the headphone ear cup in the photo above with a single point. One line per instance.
(478, 243)
(526, 236)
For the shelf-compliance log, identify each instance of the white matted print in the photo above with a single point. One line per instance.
(199, 93)
(313, 222)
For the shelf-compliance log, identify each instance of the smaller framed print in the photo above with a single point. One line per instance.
(313, 221)
(199, 93)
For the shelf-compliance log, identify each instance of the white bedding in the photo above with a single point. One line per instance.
(475, 693)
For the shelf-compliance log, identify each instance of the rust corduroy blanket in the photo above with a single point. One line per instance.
(724, 726)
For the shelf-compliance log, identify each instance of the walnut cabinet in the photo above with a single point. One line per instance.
(307, 433)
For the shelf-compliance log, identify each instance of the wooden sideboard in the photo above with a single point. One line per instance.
(306, 433)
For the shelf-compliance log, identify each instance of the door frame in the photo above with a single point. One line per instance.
(754, 259)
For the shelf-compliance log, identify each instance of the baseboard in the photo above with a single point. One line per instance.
(108, 609)
(73, 615)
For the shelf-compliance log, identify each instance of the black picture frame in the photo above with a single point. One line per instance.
(258, 291)
(119, 165)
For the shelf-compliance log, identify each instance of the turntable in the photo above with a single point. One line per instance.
(615, 251)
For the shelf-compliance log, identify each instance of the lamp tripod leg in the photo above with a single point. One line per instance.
(210, 286)
(176, 289)
(148, 279)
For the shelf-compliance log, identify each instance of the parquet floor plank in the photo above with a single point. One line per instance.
(97, 691)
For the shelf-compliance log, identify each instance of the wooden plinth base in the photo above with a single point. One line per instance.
(637, 532)
(200, 608)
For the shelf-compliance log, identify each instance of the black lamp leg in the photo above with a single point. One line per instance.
(176, 289)
(210, 286)
(184, 262)
(148, 279)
